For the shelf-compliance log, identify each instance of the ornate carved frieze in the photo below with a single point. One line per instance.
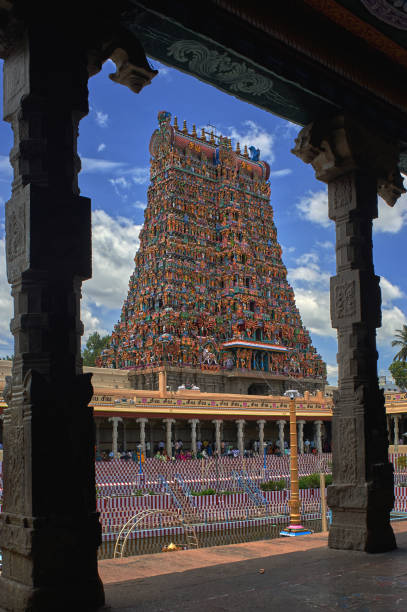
(393, 12)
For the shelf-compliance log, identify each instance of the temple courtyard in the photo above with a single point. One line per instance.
(287, 574)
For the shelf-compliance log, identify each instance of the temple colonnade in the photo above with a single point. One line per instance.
(120, 434)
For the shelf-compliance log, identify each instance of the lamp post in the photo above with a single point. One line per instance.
(295, 528)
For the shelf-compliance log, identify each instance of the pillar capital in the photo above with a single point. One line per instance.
(116, 419)
(142, 420)
(169, 421)
(240, 421)
(281, 422)
(338, 145)
(261, 422)
(217, 421)
(193, 421)
(301, 422)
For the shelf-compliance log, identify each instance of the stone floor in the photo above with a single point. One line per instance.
(288, 574)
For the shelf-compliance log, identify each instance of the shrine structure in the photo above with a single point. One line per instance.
(209, 298)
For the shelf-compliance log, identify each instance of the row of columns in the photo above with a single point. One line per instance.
(218, 423)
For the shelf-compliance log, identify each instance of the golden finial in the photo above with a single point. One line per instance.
(238, 148)
(246, 153)
(184, 127)
(176, 123)
(203, 137)
(230, 144)
(212, 140)
(194, 134)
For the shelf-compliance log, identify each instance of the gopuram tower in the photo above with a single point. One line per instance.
(209, 299)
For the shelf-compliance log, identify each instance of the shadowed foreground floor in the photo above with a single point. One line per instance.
(299, 574)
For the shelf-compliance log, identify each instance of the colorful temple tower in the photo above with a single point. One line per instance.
(209, 298)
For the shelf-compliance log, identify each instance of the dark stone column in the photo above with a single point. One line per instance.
(49, 529)
(356, 165)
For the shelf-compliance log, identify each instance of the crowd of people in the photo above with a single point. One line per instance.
(206, 450)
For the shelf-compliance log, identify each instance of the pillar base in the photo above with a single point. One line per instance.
(350, 531)
(295, 530)
(361, 516)
(70, 596)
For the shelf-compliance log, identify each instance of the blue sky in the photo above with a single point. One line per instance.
(113, 145)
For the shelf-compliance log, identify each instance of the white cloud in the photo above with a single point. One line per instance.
(314, 207)
(389, 292)
(6, 305)
(332, 373)
(114, 244)
(121, 184)
(91, 323)
(140, 176)
(326, 245)
(288, 130)
(102, 119)
(311, 288)
(101, 147)
(140, 205)
(91, 165)
(308, 258)
(308, 271)
(313, 305)
(280, 173)
(288, 249)
(391, 219)
(392, 318)
(6, 170)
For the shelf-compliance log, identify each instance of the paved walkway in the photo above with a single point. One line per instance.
(290, 574)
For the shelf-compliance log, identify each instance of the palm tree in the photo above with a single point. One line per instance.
(401, 340)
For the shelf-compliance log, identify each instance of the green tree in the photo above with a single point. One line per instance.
(94, 346)
(398, 370)
(401, 340)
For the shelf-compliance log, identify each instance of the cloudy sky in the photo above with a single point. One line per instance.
(113, 145)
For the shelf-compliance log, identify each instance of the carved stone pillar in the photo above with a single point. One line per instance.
(218, 424)
(301, 436)
(396, 431)
(49, 529)
(318, 435)
(281, 435)
(261, 423)
(240, 435)
(115, 434)
(143, 422)
(168, 444)
(194, 423)
(356, 164)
